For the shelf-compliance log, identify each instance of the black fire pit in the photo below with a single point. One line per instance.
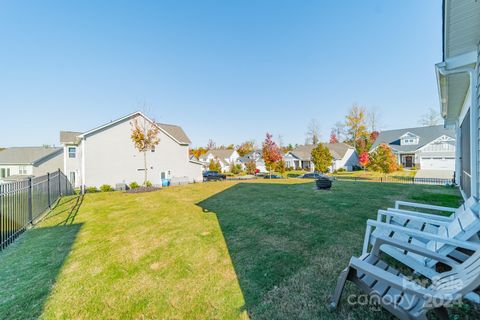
(323, 183)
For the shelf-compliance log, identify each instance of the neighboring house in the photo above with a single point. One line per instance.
(458, 78)
(344, 157)
(224, 156)
(107, 155)
(22, 162)
(255, 156)
(431, 148)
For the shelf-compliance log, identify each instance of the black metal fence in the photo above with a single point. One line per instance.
(23, 202)
(399, 179)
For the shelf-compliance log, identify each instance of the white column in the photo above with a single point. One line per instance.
(65, 154)
(458, 154)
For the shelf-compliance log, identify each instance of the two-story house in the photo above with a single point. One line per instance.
(107, 155)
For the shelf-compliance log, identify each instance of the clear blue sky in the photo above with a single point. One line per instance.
(226, 70)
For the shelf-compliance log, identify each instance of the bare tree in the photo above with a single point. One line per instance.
(313, 132)
(340, 131)
(211, 144)
(374, 119)
(431, 118)
(280, 140)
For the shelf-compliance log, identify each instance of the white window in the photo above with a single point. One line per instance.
(22, 170)
(72, 152)
(4, 172)
(409, 141)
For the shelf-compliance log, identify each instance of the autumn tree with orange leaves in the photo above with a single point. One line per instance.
(145, 138)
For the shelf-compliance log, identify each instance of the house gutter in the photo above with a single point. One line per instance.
(442, 74)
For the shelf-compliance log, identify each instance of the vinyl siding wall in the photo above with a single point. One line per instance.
(477, 105)
(111, 158)
(15, 168)
(49, 165)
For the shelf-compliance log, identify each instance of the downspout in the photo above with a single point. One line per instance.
(441, 69)
(65, 160)
(83, 166)
(458, 163)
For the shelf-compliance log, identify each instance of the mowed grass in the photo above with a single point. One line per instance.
(373, 174)
(221, 250)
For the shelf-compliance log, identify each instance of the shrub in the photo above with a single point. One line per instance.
(321, 158)
(341, 170)
(148, 184)
(251, 167)
(91, 189)
(215, 165)
(106, 188)
(134, 185)
(280, 166)
(383, 160)
(235, 168)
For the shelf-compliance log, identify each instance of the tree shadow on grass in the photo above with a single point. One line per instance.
(288, 242)
(29, 269)
(268, 236)
(70, 207)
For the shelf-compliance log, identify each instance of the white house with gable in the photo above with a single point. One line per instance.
(107, 155)
(224, 156)
(426, 148)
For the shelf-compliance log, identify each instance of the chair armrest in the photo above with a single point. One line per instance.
(423, 206)
(421, 214)
(397, 282)
(424, 235)
(391, 213)
(379, 241)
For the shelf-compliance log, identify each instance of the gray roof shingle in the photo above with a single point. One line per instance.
(425, 134)
(69, 137)
(219, 153)
(27, 155)
(338, 150)
(176, 132)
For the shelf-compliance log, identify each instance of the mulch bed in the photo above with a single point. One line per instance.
(142, 189)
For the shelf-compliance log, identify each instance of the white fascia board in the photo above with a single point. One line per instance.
(435, 140)
(453, 65)
(136, 113)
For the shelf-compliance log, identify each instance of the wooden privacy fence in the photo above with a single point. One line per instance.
(23, 202)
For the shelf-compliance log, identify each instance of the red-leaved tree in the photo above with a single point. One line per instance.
(333, 137)
(270, 152)
(363, 159)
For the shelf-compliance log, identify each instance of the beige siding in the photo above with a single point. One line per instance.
(53, 163)
(73, 165)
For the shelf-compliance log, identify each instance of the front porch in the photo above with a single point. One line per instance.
(407, 160)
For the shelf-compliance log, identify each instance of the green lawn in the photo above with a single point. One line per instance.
(221, 250)
(372, 174)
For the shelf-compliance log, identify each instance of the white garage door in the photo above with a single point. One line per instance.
(437, 163)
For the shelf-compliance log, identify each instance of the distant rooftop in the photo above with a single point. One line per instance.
(27, 155)
(425, 134)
